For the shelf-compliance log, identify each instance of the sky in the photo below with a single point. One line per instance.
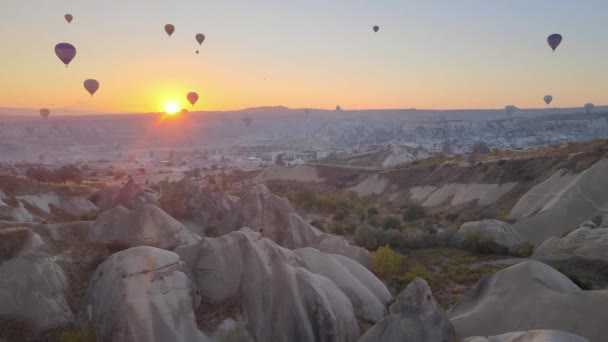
(428, 54)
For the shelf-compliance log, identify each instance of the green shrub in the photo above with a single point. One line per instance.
(525, 249)
(395, 239)
(473, 243)
(372, 211)
(417, 271)
(391, 222)
(414, 212)
(336, 228)
(339, 215)
(76, 335)
(304, 198)
(364, 237)
(386, 263)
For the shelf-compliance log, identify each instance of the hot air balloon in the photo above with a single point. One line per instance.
(169, 29)
(91, 86)
(68, 17)
(589, 107)
(45, 112)
(184, 111)
(548, 99)
(192, 98)
(554, 40)
(66, 52)
(376, 28)
(200, 38)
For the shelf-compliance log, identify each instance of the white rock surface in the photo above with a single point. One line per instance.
(141, 294)
(530, 336)
(586, 243)
(33, 289)
(484, 194)
(530, 296)
(372, 185)
(147, 225)
(280, 300)
(415, 316)
(75, 206)
(299, 173)
(333, 244)
(367, 304)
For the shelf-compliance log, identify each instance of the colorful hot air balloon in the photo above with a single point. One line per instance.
(548, 99)
(192, 98)
(554, 40)
(45, 112)
(200, 38)
(66, 52)
(589, 107)
(169, 29)
(91, 86)
(68, 17)
(510, 109)
(184, 111)
(376, 28)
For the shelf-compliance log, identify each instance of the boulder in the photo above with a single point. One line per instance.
(585, 243)
(368, 305)
(502, 232)
(531, 336)
(415, 317)
(140, 294)
(18, 241)
(339, 245)
(530, 296)
(56, 206)
(33, 290)
(279, 299)
(272, 216)
(147, 225)
(20, 214)
(130, 195)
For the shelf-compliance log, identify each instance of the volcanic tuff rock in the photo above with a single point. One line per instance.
(147, 225)
(530, 296)
(141, 294)
(414, 317)
(280, 299)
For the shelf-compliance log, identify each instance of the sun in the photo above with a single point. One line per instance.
(171, 108)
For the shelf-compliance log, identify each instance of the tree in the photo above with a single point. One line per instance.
(386, 263)
(197, 173)
(481, 148)
(68, 173)
(364, 237)
(373, 211)
(414, 212)
(391, 222)
(304, 198)
(279, 161)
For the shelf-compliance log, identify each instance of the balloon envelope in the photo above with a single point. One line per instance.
(68, 18)
(554, 40)
(45, 112)
(169, 29)
(91, 86)
(589, 107)
(192, 97)
(65, 52)
(548, 99)
(200, 38)
(376, 28)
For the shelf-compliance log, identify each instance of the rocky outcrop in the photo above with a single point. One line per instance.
(20, 214)
(130, 195)
(501, 232)
(333, 244)
(33, 290)
(584, 243)
(18, 241)
(147, 225)
(299, 173)
(415, 316)
(272, 216)
(367, 293)
(530, 336)
(530, 296)
(56, 206)
(141, 294)
(279, 299)
(561, 203)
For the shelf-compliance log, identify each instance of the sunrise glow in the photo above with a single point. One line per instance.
(171, 108)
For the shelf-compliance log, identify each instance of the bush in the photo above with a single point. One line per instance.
(391, 222)
(473, 243)
(386, 263)
(414, 212)
(525, 249)
(304, 198)
(339, 215)
(372, 212)
(364, 237)
(336, 228)
(318, 224)
(395, 239)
